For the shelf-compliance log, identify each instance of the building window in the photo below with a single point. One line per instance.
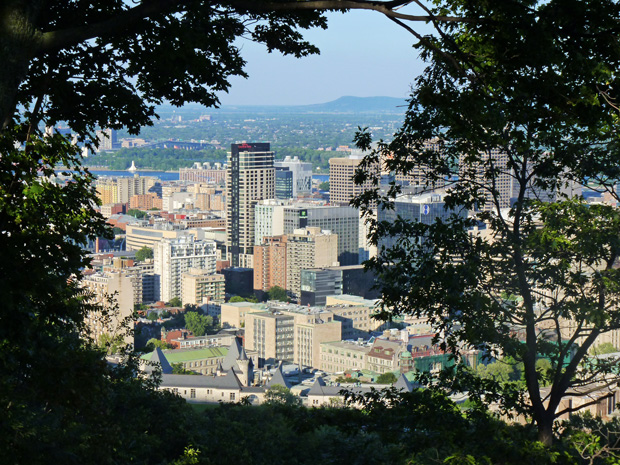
(232, 396)
(192, 393)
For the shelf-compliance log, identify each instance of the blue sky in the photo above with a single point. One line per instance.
(363, 54)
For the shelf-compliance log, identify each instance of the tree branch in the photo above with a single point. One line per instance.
(127, 19)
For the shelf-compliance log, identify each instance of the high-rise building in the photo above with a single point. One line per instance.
(423, 208)
(284, 183)
(416, 178)
(115, 292)
(173, 257)
(270, 334)
(308, 248)
(280, 259)
(120, 190)
(342, 187)
(276, 217)
(302, 174)
(270, 263)
(250, 177)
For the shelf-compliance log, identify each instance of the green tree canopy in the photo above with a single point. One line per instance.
(154, 343)
(144, 253)
(197, 323)
(175, 302)
(387, 378)
(238, 298)
(277, 293)
(281, 395)
(516, 109)
(139, 214)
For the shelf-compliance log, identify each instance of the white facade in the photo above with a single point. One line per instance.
(173, 257)
(302, 174)
(269, 219)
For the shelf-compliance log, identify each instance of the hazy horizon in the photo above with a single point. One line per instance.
(363, 54)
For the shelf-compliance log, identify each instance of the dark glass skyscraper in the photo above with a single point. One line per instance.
(250, 177)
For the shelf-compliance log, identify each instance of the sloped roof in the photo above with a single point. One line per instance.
(229, 381)
(234, 351)
(278, 378)
(158, 357)
(317, 388)
(403, 384)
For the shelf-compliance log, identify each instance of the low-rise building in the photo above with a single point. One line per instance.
(341, 356)
(204, 361)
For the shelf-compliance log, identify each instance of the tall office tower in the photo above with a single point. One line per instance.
(342, 188)
(415, 180)
(173, 257)
(284, 183)
(250, 177)
(302, 174)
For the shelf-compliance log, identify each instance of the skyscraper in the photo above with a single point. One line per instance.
(250, 177)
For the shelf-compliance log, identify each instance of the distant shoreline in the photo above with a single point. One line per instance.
(105, 168)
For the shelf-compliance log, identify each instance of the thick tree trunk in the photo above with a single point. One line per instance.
(545, 429)
(18, 44)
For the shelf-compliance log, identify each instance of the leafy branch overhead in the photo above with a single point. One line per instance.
(128, 57)
(514, 115)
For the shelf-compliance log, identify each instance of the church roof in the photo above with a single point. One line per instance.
(278, 378)
(229, 381)
(158, 357)
(317, 388)
(234, 351)
(403, 384)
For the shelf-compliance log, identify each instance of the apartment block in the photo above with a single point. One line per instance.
(271, 335)
(270, 263)
(174, 257)
(200, 286)
(114, 291)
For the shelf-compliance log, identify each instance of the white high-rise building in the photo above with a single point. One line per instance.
(302, 174)
(173, 257)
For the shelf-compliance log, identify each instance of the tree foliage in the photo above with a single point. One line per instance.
(144, 253)
(175, 302)
(281, 395)
(387, 378)
(198, 323)
(519, 94)
(277, 293)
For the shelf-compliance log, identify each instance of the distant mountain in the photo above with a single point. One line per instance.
(359, 105)
(343, 105)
